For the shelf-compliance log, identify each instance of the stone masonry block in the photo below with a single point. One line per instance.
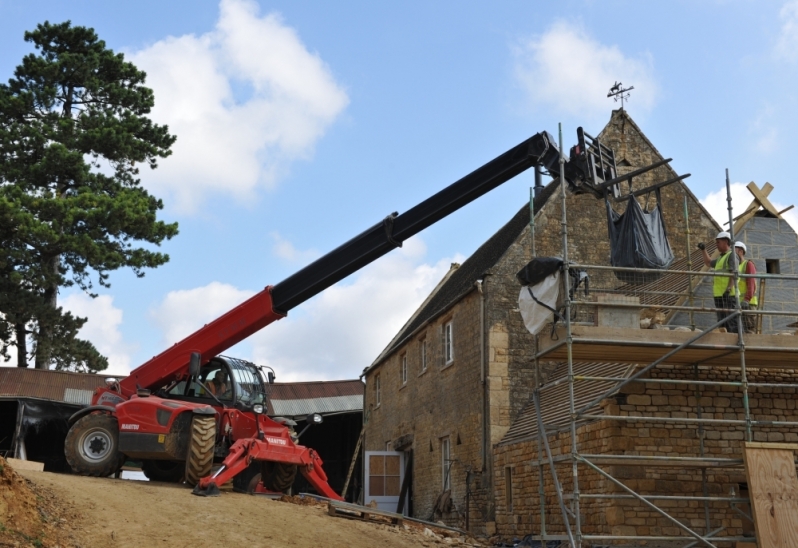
(785, 239)
(757, 237)
(638, 399)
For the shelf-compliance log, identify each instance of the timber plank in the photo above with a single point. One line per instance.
(773, 488)
(623, 345)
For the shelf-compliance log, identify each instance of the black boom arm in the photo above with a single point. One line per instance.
(393, 230)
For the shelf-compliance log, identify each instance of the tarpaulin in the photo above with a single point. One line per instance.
(638, 240)
(539, 297)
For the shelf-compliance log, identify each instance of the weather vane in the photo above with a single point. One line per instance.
(618, 92)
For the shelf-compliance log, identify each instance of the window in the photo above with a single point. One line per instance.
(377, 390)
(448, 345)
(772, 266)
(385, 475)
(403, 367)
(445, 458)
(508, 488)
(423, 355)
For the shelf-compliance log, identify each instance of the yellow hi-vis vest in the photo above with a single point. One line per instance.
(742, 286)
(720, 284)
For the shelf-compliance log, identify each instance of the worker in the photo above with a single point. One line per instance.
(746, 287)
(722, 286)
(218, 385)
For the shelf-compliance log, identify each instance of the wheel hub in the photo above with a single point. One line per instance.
(96, 445)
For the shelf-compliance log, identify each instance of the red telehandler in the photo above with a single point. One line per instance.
(188, 407)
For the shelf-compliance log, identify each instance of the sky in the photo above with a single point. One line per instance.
(301, 124)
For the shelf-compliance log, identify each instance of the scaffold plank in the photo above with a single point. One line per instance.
(642, 346)
(773, 488)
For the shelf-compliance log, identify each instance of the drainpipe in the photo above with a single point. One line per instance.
(483, 375)
(487, 474)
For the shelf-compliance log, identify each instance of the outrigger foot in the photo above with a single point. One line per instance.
(211, 491)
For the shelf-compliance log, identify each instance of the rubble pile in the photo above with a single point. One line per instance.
(31, 515)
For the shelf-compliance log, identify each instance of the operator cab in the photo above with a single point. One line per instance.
(236, 383)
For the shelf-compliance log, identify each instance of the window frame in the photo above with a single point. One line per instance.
(448, 343)
(423, 352)
(446, 457)
(403, 369)
(377, 390)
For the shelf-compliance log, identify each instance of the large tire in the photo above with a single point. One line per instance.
(200, 449)
(168, 471)
(247, 480)
(92, 445)
(278, 476)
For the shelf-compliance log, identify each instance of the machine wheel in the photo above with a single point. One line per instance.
(278, 476)
(168, 471)
(200, 449)
(92, 446)
(247, 481)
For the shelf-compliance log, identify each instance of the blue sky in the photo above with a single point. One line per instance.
(300, 124)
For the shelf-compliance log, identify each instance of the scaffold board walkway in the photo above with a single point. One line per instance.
(613, 344)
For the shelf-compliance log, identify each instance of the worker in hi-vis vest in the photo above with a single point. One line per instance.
(723, 286)
(746, 287)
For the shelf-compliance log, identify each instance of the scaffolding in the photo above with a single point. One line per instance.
(699, 358)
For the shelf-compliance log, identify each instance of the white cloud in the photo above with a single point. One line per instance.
(285, 250)
(567, 69)
(787, 42)
(102, 328)
(332, 336)
(716, 204)
(244, 100)
(340, 332)
(183, 312)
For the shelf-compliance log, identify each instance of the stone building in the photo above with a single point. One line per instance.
(454, 387)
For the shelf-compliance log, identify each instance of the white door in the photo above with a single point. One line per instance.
(385, 471)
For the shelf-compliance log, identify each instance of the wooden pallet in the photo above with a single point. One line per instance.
(364, 513)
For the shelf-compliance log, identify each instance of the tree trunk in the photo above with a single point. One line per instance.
(44, 339)
(22, 344)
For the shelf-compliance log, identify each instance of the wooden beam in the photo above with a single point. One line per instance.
(762, 199)
(753, 207)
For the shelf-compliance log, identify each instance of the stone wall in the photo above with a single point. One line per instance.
(646, 438)
(443, 401)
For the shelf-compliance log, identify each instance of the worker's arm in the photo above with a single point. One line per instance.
(705, 255)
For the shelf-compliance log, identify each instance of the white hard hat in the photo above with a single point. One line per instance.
(741, 245)
(723, 234)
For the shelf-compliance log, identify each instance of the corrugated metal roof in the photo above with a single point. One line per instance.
(62, 386)
(323, 406)
(295, 399)
(554, 398)
(316, 389)
(298, 399)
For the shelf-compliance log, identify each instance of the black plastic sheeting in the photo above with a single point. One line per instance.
(638, 239)
(44, 428)
(538, 269)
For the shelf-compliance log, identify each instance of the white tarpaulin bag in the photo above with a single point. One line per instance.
(535, 315)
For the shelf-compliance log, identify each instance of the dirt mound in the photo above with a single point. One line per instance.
(31, 515)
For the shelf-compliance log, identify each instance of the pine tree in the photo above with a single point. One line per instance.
(73, 132)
